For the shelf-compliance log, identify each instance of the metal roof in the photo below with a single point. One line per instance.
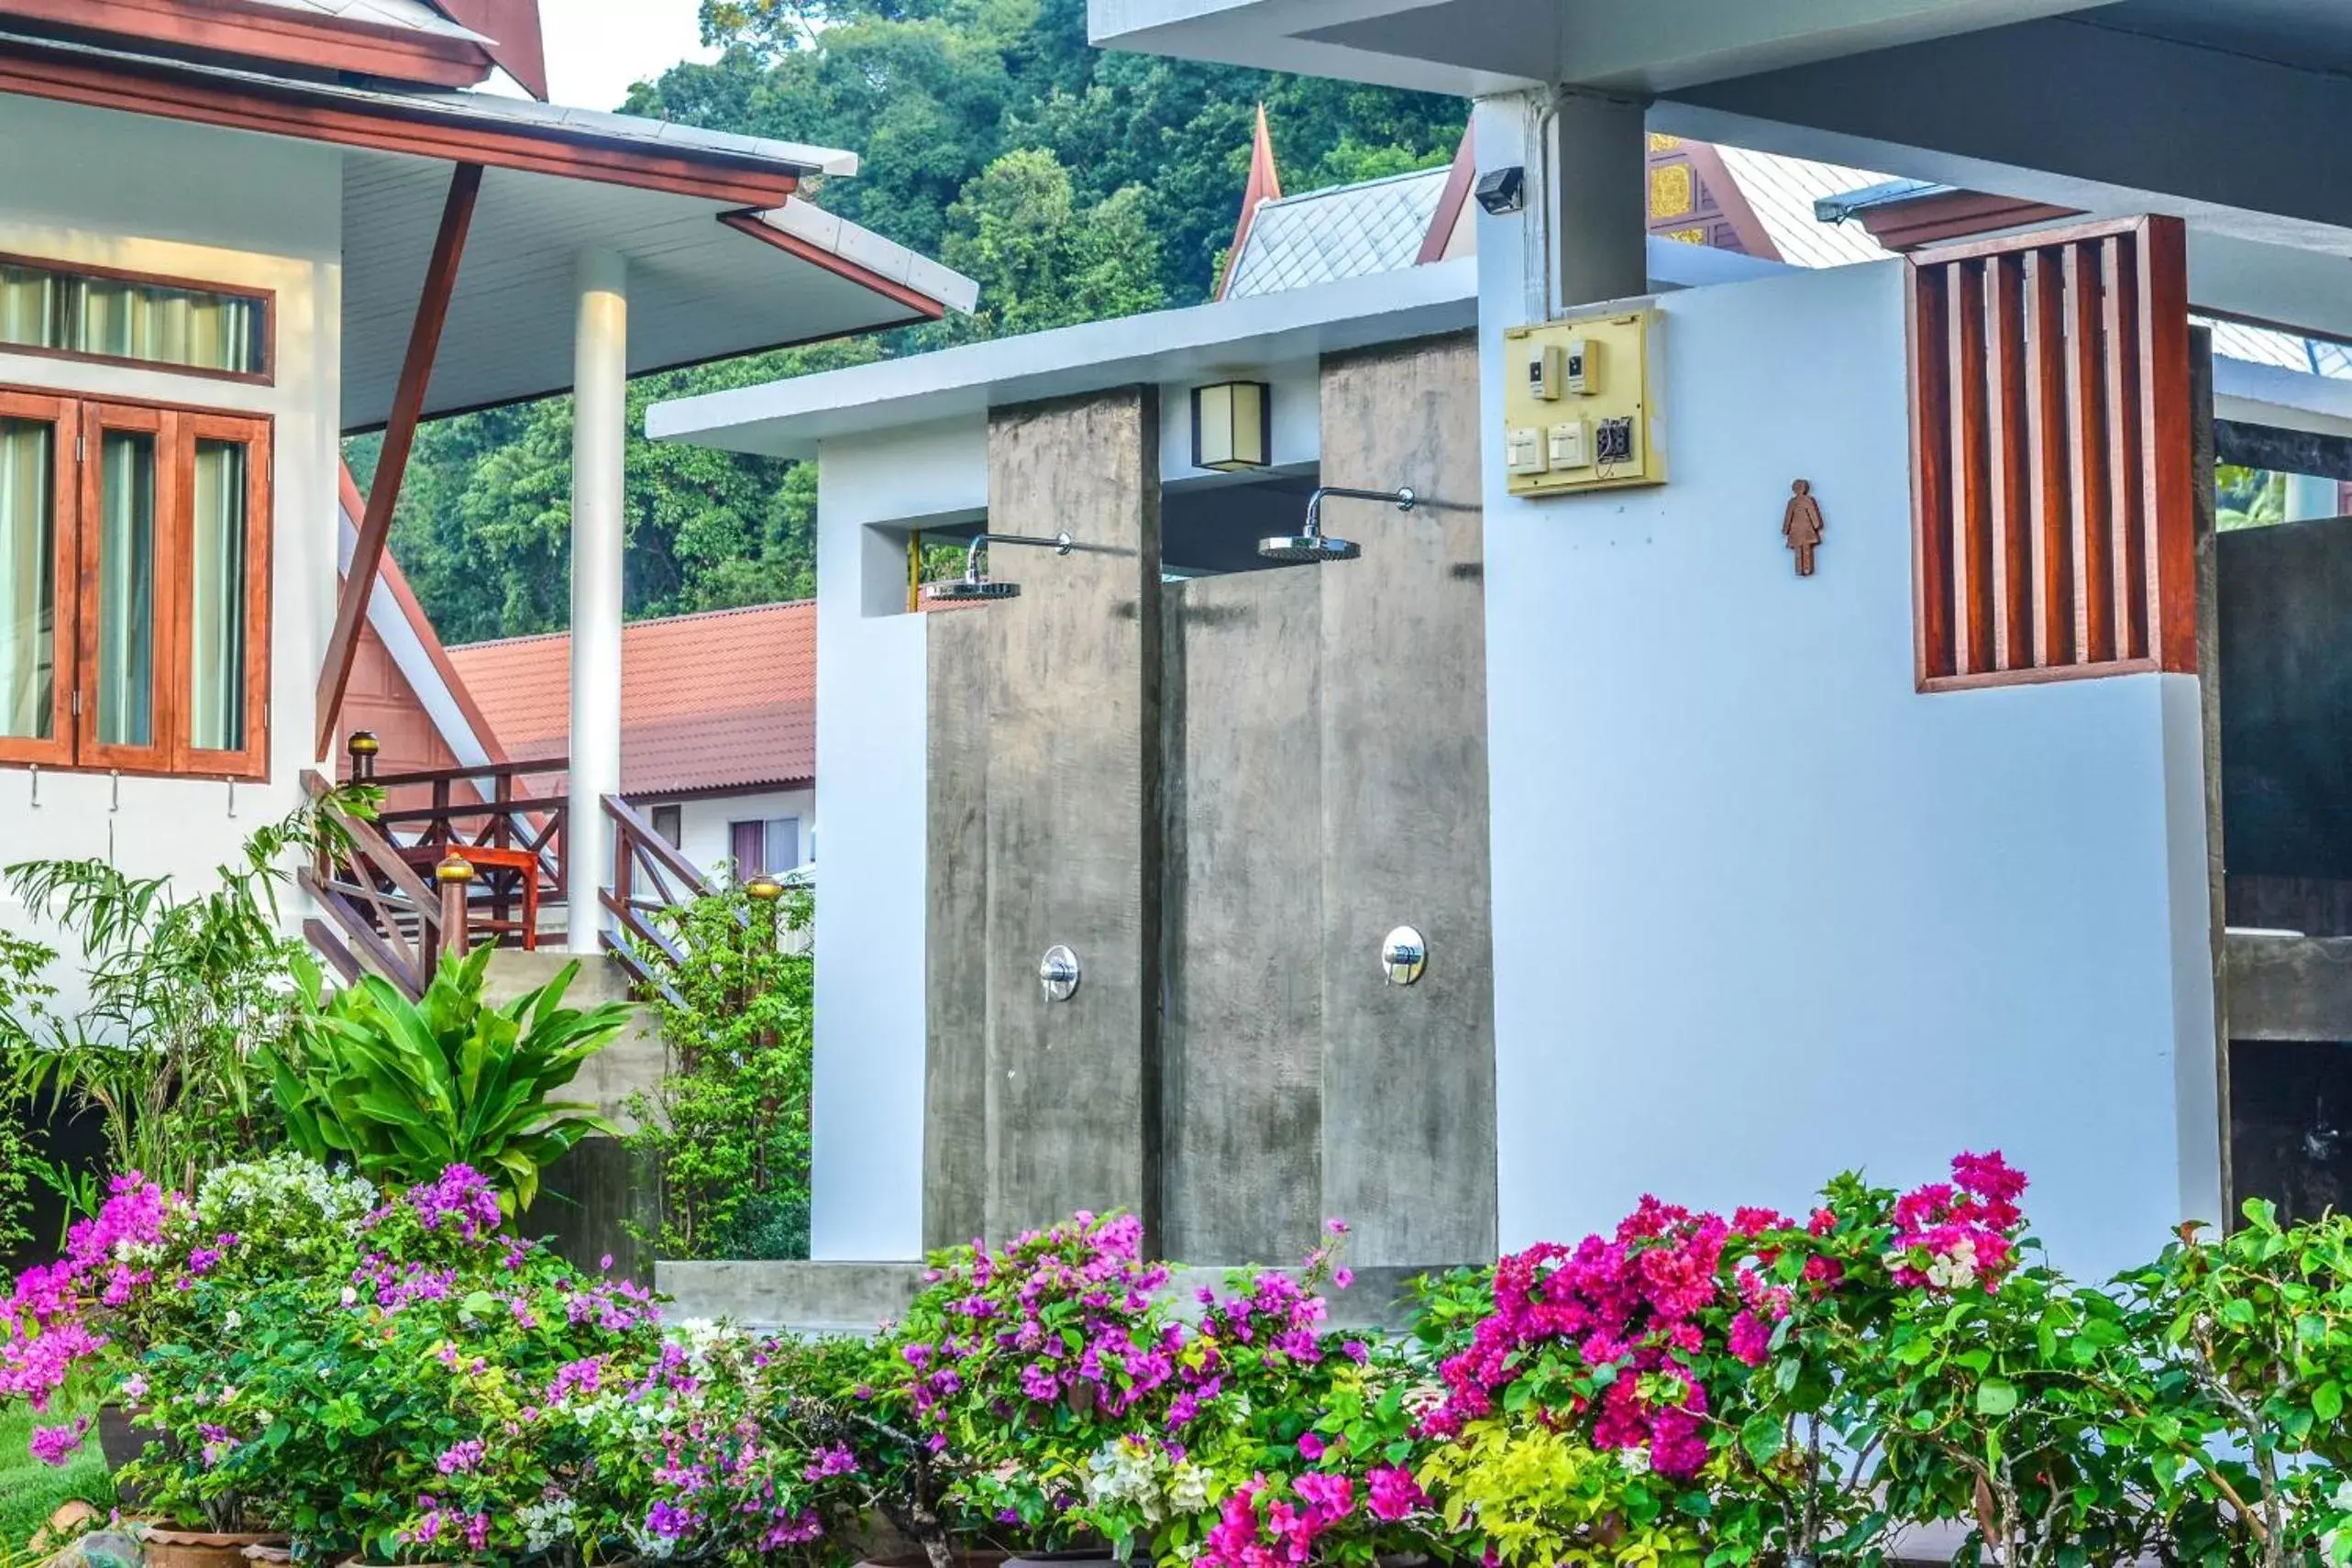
(2286, 350)
(1785, 193)
(462, 107)
(1348, 231)
(412, 16)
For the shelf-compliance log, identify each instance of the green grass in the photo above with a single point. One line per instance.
(31, 1491)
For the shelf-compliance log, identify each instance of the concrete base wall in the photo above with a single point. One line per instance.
(588, 1198)
(859, 1298)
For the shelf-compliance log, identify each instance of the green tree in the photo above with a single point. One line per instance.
(1041, 259)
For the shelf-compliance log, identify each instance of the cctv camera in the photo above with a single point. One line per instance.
(1502, 191)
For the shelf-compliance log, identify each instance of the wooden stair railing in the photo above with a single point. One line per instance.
(386, 921)
(514, 836)
(649, 877)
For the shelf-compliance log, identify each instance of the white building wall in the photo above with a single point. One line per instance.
(83, 185)
(1762, 909)
(705, 822)
(872, 773)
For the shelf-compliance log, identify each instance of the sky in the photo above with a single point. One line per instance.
(597, 48)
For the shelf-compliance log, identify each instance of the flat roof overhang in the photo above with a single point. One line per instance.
(790, 418)
(1476, 48)
(724, 258)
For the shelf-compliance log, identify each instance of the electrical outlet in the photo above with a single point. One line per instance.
(1524, 451)
(1618, 443)
(1571, 445)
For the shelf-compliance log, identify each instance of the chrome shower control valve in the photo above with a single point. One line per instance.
(1058, 973)
(1404, 956)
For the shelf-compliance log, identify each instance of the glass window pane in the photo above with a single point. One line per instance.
(216, 621)
(126, 695)
(28, 578)
(158, 323)
(29, 307)
(783, 845)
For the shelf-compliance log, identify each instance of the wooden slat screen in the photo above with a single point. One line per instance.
(2051, 430)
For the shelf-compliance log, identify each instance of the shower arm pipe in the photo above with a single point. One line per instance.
(1060, 544)
(1403, 499)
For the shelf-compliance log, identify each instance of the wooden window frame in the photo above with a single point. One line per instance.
(254, 433)
(63, 416)
(267, 299)
(100, 420)
(82, 425)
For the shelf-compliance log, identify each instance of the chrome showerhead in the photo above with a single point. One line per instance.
(966, 592)
(1308, 547)
(1311, 545)
(974, 587)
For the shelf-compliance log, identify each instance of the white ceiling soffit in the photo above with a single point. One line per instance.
(1480, 46)
(698, 289)
(2145, 103)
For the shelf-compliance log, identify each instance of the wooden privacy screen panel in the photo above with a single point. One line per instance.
(2050, 464)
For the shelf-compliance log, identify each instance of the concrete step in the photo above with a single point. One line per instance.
(631, 1065)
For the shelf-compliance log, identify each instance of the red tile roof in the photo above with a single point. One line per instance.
(725, 700)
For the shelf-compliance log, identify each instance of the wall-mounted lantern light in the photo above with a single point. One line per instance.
(1232, 426)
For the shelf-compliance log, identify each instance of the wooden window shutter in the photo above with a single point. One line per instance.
(2053, 518)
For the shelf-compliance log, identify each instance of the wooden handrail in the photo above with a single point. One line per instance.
(463, 775)
(654, 847)
(374, 845)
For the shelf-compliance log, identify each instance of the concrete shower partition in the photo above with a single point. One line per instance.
(1222, 793)
(1044, 828)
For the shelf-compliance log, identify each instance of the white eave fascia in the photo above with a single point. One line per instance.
(2288, 399)
(830, 232)
(788, 418)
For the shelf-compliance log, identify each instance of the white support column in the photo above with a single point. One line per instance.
(600, 383)
(1598, 153)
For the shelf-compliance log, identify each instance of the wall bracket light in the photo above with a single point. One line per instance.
(1232, 426)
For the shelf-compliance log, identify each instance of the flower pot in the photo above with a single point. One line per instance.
(917, 1560)
(121, 1438)
(204, 1548)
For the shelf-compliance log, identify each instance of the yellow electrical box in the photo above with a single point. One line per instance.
(1578, 405)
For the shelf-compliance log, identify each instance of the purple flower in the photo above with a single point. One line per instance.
(460, 1458)
(834, 1460)
(54, 1445)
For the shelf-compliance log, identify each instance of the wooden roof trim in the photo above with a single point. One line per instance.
(411, 610)
(890, 288)
(1459, 179)
(1954, 214)
(1264, 185)
(517, 43)
(244, 30)
(286, 109)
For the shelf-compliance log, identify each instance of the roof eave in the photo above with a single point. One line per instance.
(562, 143)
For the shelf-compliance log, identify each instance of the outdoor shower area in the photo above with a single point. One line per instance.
(1208, 932)
(2284, 602)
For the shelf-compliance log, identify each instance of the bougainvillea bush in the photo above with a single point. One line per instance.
(396, 1376)
(403, 1402)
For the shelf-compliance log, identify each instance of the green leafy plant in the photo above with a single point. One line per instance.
(2255, 1330)
(725, 1133)
(182, 993)
(402, 1089)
